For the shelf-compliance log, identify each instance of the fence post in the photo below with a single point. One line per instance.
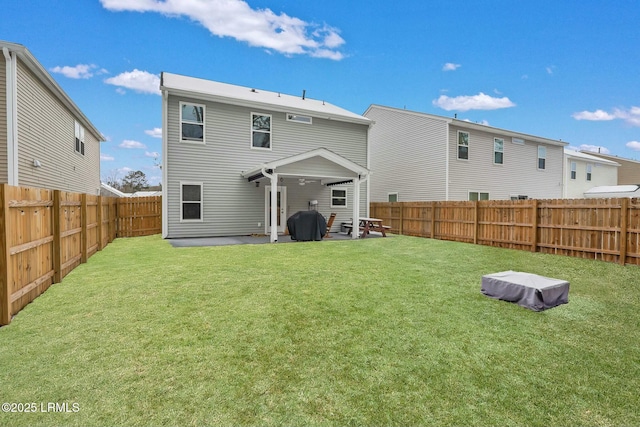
(475, 222)
(401, 204)
(83, 234)
(57, 241)
(534, 226)
(5, 259)
(99, 219)
(624, 214)
(433, 220)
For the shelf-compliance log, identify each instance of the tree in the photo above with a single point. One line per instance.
(134, 181)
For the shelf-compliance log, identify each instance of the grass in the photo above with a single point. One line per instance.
(373, 332)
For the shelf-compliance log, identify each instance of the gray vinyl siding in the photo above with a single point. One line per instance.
(3, 121)
(518, 175)
(231, 205)
(46, 133)
(407, 155)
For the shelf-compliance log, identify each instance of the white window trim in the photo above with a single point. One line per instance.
(204, 126)
(346, 202)
(78, 132)
(393, 194)
(538, 158)
(573, 170)
(458, 145)
(253, 113)
(306, 120)
(495, 151)
(183, 183)
(478, 192)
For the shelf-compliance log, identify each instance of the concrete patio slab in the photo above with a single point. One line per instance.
(249, 240)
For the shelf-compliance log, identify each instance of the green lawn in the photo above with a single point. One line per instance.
(374, 332)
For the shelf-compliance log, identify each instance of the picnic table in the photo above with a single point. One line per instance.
(367, 225)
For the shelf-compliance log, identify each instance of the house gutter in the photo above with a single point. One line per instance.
(12, 116)
(273, 177)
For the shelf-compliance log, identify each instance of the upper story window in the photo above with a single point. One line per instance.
(338, 198)
(574, 168)
(298, 118)
(463, 145)
(192, 122)
(588, 171)
(261, 131)
(542, 157)
(498, 151)
(79, 133)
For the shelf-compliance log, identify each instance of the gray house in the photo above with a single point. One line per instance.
(45, 140)
(422, 157)
(235, 157)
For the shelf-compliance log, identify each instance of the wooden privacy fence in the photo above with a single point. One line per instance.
(44, 234)
(604, 229)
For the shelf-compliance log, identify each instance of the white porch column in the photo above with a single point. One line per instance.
(355, 231)
(274, 208)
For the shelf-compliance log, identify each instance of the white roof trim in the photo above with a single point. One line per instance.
(210, 90)
(318, 152)
(32, 63)
(584, 156)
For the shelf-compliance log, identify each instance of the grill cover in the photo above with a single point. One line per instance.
(525, 289)
(307, 225)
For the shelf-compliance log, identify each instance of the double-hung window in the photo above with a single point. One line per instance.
(498, 151)
(79, 134)
(588, 171)
(261, 131)
(574, 167)
(463, 145)
(191, 201)
(542, 157)
(192, 122)
(338, 198)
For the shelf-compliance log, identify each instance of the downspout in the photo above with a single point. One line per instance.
(273, 178)
(12, 116)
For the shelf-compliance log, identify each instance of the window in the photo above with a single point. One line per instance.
(190, 201)
(588, 171)
(573, 170)
(463, 145)
(338, 198)
(392, 197)
(260, 131)
(498, 151)
(192, 122)
(542, 157)
(79, 132)
(476, 195)
(298, 118)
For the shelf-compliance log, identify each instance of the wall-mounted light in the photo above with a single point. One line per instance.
(36, 163)
(257, 183)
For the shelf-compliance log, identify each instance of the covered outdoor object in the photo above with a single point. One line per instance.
(307, 225)
(525, 289)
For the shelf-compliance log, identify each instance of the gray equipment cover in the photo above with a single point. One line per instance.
(525, 289)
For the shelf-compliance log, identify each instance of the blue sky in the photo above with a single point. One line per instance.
(565, 70)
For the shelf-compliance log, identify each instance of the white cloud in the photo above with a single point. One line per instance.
(474, 102)
(128, 143)
(155, 132)
(257, 27)
(106, 157)
(597, 115)
(594, 149)
(152, 154)
(450, 66)
(634, 145)
(80, 71)
(550, 69)
(139, 81)
(630, 116)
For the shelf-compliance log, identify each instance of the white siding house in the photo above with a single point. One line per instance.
(420, 157)
(235, 157)
(45, 140)
(584, 171)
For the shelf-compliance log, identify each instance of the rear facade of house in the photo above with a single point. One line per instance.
(217, 139)
(45, 140)
(422, 157)
(629, 170)
(584, 172)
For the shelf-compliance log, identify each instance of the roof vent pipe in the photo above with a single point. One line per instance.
(304, 92)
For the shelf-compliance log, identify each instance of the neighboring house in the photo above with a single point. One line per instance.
(613, 191)
(629, 170)
(584, 171)
(109, 191)
(420, 157)
(45, 140)
(152, 193)
(234, 157)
